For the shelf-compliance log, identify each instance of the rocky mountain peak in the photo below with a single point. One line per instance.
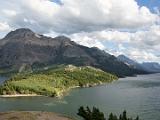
(128, 61)
(62, 38)
(19, 33)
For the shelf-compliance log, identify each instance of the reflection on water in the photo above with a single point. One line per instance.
(138, 95)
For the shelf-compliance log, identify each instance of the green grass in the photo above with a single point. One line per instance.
(55, 81)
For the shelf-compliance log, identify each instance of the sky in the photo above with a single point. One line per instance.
(129, 27)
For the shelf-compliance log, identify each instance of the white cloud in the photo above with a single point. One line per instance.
(157, 10)
(142, 55)
(118, 26)
(87, 41)
(140, 45)
(4, 27)
(9, 13)
(76, 16)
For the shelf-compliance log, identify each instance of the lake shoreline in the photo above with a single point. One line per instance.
(19, 95)
(62, 94)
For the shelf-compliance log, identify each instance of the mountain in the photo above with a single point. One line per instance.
(23, 49)
(151, 67)
(130, 62)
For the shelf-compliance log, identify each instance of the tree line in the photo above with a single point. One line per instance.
(96, 114)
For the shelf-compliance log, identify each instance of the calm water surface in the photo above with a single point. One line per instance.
(138, 95)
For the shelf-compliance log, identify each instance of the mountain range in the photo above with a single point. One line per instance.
(23, 49)
(151, 67)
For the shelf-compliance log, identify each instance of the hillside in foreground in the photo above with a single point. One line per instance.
(31, 116)
(55, 81)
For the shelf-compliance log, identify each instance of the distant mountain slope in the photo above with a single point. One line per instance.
(129, 62)
(152, 67)
(23, 49)
(126, 60)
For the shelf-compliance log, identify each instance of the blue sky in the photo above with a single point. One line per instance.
(56, 1)
(149, 3)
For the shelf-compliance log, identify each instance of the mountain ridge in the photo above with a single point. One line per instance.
(24, 49)
(151, 67)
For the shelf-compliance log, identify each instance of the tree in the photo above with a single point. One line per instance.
(124, 116)
(95, 114)
(137, 118)
(88, 114)
(112, 117)
(82, 113)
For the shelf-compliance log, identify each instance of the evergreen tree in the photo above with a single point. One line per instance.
(124, 116)
(82, 113)
(87, 114)
(95, 114)
(137, 118)
(120, 117)
(110, 117)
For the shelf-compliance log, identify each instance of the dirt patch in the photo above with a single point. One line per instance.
(32, 116)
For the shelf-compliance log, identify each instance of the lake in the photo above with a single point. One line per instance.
(138, 95)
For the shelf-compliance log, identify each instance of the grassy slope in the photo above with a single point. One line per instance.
(53, 82)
